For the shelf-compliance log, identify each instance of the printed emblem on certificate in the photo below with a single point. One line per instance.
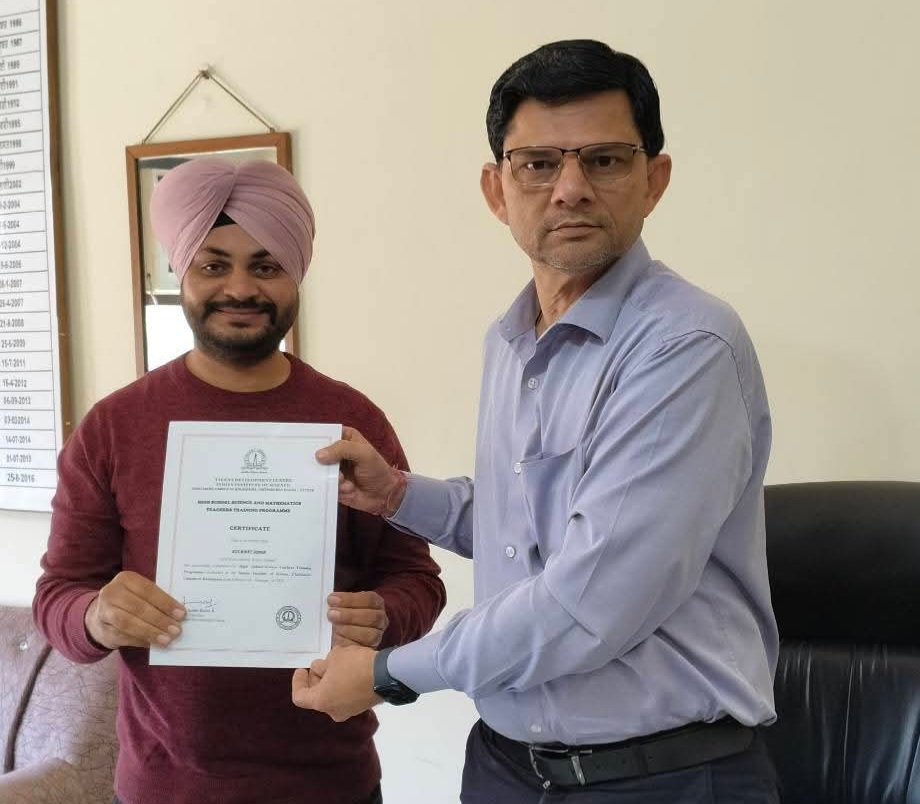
(247, 542)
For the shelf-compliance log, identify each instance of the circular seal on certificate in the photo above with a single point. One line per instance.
(288, 617)
(254, 459)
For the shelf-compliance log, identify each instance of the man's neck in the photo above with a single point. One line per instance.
(241, 378)
(557, 292)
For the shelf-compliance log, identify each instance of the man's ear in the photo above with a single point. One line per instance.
(490, 180)
(659, 176)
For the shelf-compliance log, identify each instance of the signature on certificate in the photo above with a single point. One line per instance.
(206, 605)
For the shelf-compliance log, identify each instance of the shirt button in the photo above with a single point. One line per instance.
(532, 383)
(517, 468)
(510, 551)
(536, 728)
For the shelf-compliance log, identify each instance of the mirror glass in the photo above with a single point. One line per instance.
(161, 330)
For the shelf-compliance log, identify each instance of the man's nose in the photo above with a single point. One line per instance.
(240, 284)
(572, 186)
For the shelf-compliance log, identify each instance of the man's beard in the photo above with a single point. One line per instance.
(573, 258)
(241, 347)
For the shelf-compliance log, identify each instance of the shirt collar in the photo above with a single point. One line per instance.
(595, 311)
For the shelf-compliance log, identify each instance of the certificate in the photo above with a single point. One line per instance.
(247, 543)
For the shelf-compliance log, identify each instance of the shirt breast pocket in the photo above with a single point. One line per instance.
(548, 483)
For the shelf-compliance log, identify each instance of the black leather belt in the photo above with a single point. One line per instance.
(665, 751)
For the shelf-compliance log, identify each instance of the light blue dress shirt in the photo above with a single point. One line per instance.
(617, 527)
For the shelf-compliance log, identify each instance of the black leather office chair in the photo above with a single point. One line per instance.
(845, 576)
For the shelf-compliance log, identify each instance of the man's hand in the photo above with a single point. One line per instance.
(358, 618)
(341, 685)
(366, 481)
(132, 611)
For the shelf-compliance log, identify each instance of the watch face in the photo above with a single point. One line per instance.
(390, 689)
(397, 693)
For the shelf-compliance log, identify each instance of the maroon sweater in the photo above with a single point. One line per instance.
(222, 735)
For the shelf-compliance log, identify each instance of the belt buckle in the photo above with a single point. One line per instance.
(574, 758)
(532, 753)
(576, 767)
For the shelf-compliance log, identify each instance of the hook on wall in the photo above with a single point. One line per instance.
(205, 74)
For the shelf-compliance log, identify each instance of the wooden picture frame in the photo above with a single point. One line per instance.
(152, 280)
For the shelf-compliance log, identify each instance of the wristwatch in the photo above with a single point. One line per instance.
(390, 689)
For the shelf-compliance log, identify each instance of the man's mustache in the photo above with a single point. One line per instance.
(257, 307)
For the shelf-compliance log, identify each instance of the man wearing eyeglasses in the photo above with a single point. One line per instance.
(622, 645)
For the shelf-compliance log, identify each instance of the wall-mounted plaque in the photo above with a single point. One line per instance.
(34, 376)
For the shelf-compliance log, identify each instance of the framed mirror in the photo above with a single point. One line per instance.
(160, 329)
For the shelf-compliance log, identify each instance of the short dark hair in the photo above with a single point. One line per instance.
(565, 71)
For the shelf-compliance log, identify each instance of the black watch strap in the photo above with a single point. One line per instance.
(387, 687)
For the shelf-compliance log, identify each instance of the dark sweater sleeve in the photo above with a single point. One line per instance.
(403, 572)
(84, 546)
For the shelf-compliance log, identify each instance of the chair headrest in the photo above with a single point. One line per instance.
(844, 560)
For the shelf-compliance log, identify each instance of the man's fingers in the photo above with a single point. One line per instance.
(370, 618)
(154, 617)
(342, 451)
(303, 697)
(112, 637)
(127, 623)
(131, 610)
(360, 618)
(357, 635)
(127, 611)
(356, 600)
(302, 694)
(345, 690)
(353, 435)
(150, 593)
(352, 446)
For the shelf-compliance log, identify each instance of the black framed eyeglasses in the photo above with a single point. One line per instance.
(602, 162)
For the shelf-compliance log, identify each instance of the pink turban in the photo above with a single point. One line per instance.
(262, 197)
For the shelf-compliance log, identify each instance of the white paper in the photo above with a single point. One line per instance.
(247, 543)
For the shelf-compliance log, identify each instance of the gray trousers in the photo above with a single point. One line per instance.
(489, 776)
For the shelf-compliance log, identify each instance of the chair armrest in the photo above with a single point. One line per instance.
(51, 782)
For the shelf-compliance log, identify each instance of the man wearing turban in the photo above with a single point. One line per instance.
(240, 239)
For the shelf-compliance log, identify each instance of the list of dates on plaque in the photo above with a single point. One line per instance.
(30, 426)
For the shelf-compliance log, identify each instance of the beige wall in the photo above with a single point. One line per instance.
(793, 126)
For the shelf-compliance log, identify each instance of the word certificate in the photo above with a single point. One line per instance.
(247, 543)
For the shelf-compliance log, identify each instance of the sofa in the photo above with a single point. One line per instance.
(57, 720)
